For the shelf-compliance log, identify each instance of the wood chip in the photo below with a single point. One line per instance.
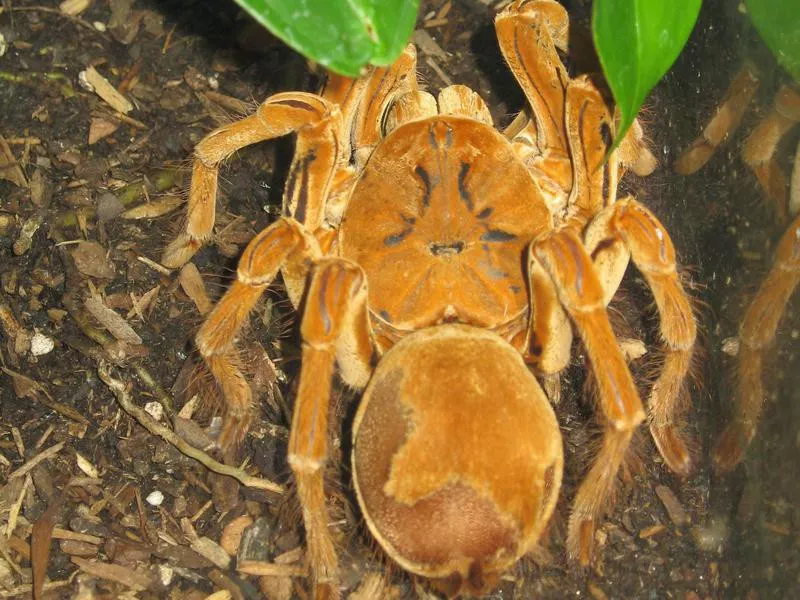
(211, 550)
(124, 575)
(42, 456)
(100, 128)
(74, 7)
(192, 284)
(75, 548)
(86, 466)
(91, 259)
(651, 531)
(112, 321)
(232, 534)
(9, 167)
(424, 41)
(103, 88)
(674, 508)
(157, 208)
(777, 528)
(262, 568)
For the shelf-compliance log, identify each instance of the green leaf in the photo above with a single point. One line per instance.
(637, 42)
(778, 23)
(342, 35)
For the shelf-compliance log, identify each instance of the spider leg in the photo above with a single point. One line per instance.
(320, 151)
(759, 148)
(528, 34)
(757, 333)
(627, 229)
(381, 88)
(335, 326)
(562, 255)
(726, 119)
(283, 243)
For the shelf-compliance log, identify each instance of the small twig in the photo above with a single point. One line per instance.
(44, 455)
(124, 399)
(154, 265)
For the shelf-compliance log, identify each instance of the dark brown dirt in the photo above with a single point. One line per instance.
(743, 535)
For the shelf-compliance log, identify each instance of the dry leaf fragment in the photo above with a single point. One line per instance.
(100, 128)
(103, 88)
(40, 547)
(192, 284)
(87, 467)
(39, 189)
(111, 320)
(157, 208)
(74, 7)
(90, 259)
(674, 508)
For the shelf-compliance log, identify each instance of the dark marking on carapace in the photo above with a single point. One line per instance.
(385, 316)
(408, 220)
(392, 240)
(434, 143)
(497, 235)
(486, 213)
(444, 248)
(426, 181)
(448, 137)
(463, 192)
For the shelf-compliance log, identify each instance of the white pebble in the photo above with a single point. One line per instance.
(154, 409)
(165, 573)
(99, 25)
(41, 344)
(155, 498)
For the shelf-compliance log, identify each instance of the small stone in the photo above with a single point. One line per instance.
(165, 574)
(154, 409)
(155, 498)
(41, 344)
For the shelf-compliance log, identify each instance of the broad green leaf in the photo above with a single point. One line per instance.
(342, 35)
(778, 23)
(637, 42)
